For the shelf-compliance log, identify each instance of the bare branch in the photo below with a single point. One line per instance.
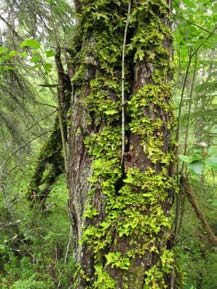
(25, 144)
(43, 118)
(198, 211)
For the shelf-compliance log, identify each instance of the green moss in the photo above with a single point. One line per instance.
(103, 280)
(48, 168)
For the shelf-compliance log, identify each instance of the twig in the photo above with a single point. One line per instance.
(60, 97)
(189, 112)
(46, 116)
(11, 239)
(9, 224)
(46, 104)
(23, 165)
(198, 26)
(48, 85)
(11, 28)
(66, 255)
(68, 245)
(23, 145)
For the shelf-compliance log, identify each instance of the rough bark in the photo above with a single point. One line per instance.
(120, 207)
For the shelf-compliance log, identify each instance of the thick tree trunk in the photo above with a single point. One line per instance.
(120, 200)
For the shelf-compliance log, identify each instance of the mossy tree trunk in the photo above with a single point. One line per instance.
(120, 201)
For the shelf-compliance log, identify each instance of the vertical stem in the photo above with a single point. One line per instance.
(60, 117)
(189, 112)
(60, 97)
(180, 197)
(122, 85)
(182, 97)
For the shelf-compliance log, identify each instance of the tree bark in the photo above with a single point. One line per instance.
(120, 201)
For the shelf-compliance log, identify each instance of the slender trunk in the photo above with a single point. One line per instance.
(120, 201)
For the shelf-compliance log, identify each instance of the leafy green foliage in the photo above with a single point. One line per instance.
(195, 51)
(32, 43)
(200, 159)
(37, 255)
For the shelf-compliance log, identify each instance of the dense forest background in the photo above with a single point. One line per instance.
(35, 61)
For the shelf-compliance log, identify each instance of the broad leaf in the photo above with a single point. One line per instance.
(30, 43)
(50, 53)
(211, 162)
(48, 67)
(197, 167)
(35, 58)
(185, 159)
(189, 3)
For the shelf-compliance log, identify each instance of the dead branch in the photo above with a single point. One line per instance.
(198, 211)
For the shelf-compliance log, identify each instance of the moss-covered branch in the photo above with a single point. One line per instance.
(52, 157)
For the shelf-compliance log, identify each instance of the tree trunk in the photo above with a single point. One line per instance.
(121, 145)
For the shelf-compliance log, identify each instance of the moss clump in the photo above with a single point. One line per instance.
(49, 167)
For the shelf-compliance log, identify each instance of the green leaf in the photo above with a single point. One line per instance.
(113, 257)
(7, 67)
(196, 155)
(12, 53)
(35, 58)
(50, 53)
(212, 203)
(48, 67)
(3, 50)
(189, 3)
(2, 247)
(24, 54)
(212, 151)
(140, 53)
(197, 167)
(111, 112)
(30, 43)
(213, 130)
(211, 162)
(185, 159)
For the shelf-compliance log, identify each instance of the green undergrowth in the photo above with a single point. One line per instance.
(196, 255)
(33, 252)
